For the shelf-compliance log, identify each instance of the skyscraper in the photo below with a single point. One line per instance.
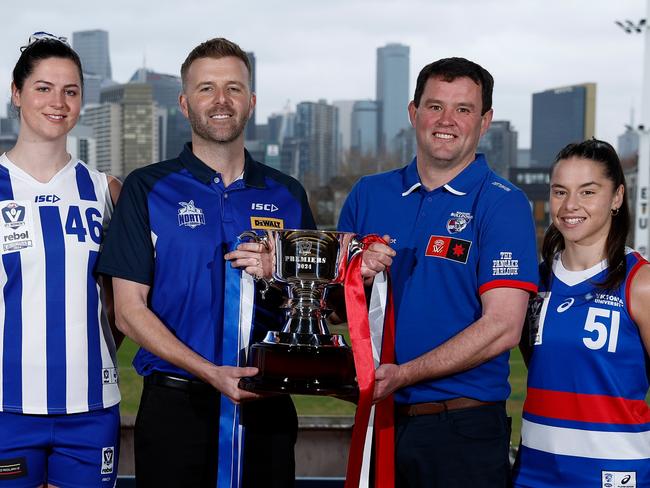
(92, 47)
(81, 144)
(392, 92)
(250, 126)
(105, 119)
(126, 128)
(317, 132)
(165, 89)
(364, 128)
(345, 126)
(560, 116)
(499, 144)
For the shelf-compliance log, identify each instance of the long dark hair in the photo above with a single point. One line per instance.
(604, 154)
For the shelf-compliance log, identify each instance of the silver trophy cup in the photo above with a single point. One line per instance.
(304, 357)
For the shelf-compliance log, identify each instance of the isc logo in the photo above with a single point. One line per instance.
(268, 207)
(46, 198)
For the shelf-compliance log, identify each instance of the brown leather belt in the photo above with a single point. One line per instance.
(432, 408)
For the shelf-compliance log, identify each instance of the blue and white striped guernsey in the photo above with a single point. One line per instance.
(57, 353)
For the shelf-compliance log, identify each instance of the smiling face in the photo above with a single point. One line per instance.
(448, 122)
(49, 101)
(217, 99)
(582, 199)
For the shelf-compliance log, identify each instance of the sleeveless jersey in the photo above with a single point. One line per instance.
(57, 353)
(585, 422)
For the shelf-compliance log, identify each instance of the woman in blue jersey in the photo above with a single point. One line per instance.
(586, 422)
(59, 417)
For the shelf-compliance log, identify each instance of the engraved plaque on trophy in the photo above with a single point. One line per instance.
(304, 357)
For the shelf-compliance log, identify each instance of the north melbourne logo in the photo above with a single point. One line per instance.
(190, 215)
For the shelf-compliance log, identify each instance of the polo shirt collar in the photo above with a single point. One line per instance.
(460, 185)
(253, 174)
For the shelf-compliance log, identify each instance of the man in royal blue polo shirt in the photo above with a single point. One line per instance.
(167, 251)
(463, 265)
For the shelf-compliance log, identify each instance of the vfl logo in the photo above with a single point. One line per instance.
(190, 215)
(13, 215)
(565, 305)
(303, 247)
(108, 458)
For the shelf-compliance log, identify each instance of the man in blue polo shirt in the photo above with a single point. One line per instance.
(463, 265)
(167, 251)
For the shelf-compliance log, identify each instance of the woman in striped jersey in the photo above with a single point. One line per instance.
(59, 417)
(586, 422)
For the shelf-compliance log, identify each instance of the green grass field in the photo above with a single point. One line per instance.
(131, 386)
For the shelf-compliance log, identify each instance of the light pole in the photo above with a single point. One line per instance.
(641, 233)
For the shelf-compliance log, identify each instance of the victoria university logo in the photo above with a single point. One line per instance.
(190, 215)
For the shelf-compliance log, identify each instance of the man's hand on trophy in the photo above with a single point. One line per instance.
(226, 380)
(376, 259)
(256, 258)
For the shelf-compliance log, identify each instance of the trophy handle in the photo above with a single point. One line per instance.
(254, 236)
(264, 240)
(355, 246)
(352, 244)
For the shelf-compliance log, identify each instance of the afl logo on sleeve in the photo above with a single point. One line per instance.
(16, 228)
(448, 248)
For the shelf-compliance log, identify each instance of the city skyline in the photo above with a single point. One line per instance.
(308, 52)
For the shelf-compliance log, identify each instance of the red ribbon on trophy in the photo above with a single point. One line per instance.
(367, 335)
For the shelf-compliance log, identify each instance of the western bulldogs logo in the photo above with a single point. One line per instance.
(190, 215)
(458, 222)
(13, 215)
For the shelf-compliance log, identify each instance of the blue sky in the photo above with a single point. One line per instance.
(308, 50)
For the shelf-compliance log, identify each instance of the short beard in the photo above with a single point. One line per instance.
(204, 132)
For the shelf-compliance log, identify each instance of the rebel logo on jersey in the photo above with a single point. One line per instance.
(17, 232)
(448, 248)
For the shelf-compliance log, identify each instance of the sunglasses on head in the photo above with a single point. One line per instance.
(40, 36)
